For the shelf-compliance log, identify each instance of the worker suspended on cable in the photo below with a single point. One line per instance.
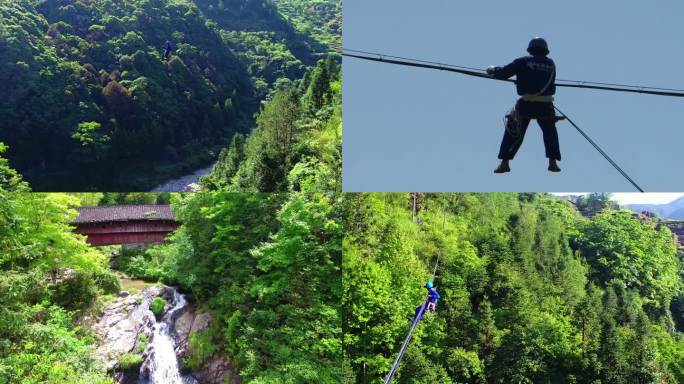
(169, 50)
(433, 297)
(535, 81)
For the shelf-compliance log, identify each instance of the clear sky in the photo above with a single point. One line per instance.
(637, 198)
(408, 129)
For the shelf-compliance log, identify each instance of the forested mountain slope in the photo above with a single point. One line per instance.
(321, 19)
(89, 102)
(296, 144)
(532, 292)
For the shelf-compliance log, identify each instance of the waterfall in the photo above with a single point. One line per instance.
(161, 364)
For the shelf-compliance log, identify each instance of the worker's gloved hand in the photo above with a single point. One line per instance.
(490, 70)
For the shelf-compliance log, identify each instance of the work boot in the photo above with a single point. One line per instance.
(553, 166)
(503, 167)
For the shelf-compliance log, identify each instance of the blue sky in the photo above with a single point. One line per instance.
(409, 129)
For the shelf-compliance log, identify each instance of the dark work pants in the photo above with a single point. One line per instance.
(543, 113)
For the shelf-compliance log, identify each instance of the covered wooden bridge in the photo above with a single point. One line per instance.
(125, 224)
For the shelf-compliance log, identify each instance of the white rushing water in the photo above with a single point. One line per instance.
(185, 183)
(164, 368)
(163, 364)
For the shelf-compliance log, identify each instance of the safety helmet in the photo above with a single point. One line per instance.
(538, 44)
(428, 285)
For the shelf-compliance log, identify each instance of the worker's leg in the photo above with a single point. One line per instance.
(512, 141)
(548, 127)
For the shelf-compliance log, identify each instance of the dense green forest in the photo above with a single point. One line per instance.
(532, 292)
(92, 199)
(49, 279)
(93, 104)
(296, 143)
(318, 18)
(269, 267)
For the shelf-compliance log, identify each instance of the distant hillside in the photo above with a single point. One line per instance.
(94, 106)
(677, 214)
(672, 211)
(268, 44)
(321, 19)
(296, 144)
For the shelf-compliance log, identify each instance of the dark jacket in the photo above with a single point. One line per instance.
(532, 74)
(433, 296)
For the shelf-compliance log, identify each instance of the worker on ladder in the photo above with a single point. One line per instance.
(433, 297)
(535, 82)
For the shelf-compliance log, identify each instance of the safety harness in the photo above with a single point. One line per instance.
(538, 96)
(512, 118)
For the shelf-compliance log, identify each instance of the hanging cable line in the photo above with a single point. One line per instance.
(400, 355)
(603, 153)
(420, 64)
(398, 60)
(414, 324)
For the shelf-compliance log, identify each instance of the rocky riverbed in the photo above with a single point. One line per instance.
(138, 347)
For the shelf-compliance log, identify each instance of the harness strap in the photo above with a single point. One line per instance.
(548, 83)
(539, 95)
(538, 98)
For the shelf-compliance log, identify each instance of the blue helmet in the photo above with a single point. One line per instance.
(538, 45)
(428, 285)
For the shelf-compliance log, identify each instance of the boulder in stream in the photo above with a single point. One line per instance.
(122, 321)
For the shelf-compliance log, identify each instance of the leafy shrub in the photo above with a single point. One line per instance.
(157, 306)
(108, 282)
(130, 362)
(143, 341)
(201, 349)
(76, 292)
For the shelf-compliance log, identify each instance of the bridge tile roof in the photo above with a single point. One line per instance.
(124, 213)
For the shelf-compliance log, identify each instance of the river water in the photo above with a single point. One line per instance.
(184, 183)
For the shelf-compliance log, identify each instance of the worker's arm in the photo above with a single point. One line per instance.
(506, 71)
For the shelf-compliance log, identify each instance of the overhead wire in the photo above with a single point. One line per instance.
(404, 346)
(399, 60)
(601, 151)
(420, 64)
